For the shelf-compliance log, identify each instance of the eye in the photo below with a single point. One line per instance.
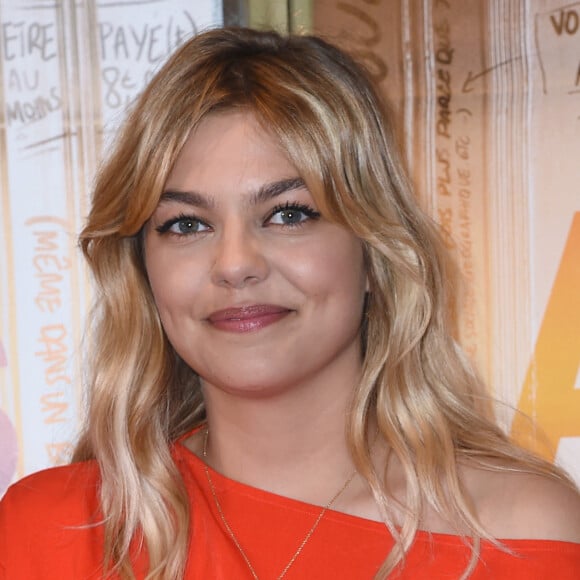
(292, 214)
(183, 225)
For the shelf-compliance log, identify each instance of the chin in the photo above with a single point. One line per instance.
(252, 388)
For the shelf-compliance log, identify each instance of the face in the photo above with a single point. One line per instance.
(256, 290)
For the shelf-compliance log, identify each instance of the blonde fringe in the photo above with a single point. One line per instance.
(417, 391)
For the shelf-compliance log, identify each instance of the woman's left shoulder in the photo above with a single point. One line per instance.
(546, 508)
(514, 504)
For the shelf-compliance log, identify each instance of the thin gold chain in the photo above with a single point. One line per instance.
(235, 539)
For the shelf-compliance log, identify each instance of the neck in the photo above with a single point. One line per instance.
(292, 444)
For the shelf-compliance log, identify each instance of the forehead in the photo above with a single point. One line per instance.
(229, 149)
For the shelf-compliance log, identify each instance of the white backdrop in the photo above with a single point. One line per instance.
(489, 92)
(68, 70)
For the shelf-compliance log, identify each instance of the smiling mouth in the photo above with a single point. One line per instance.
(247, 318)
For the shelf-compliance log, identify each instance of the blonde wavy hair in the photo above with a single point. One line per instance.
(417, 388)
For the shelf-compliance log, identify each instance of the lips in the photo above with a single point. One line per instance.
(247, 318)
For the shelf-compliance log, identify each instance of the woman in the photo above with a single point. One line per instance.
(274, 391)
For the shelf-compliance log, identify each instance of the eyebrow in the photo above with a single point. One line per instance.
(276, 188)
(264, 193)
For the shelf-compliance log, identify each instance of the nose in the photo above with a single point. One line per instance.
(239, 258)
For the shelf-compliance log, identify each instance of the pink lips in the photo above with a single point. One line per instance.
(247, 318)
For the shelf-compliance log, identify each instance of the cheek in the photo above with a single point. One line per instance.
(173, 285)
(335, 267)
(176, 292)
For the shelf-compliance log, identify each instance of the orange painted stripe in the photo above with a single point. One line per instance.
(549, 395)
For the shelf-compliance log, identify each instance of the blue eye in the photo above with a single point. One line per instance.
(292, 214)
(183, 225)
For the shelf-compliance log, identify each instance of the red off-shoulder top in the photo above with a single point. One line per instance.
(49, 529)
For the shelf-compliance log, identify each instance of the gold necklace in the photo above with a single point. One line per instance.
(235, 539)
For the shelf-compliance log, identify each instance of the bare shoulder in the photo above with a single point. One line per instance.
(546, 508)
(519, 505)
